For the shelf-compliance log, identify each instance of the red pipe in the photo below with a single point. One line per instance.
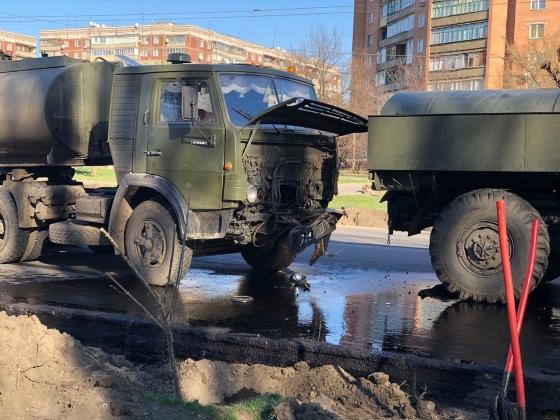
(526, 287)
(510, 296)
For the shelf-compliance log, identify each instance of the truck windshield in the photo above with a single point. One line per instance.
(247, 95)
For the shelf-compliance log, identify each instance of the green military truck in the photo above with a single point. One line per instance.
(209, 159)
(445, 158)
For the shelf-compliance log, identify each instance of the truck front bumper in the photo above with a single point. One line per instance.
(317, 231)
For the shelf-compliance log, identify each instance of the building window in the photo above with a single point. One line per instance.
(200, 56)
(85, 55)
(382, 55)
(421, 20)
(77, 43)
(156, 39)
(458, 61)
(9, 46)
(467, 84)
(208, 58)
(76, 55)
(420, 47)
(66, 43)
(201, 43)
(177, 39)
(144, 53)
(370, 39)
(370, 18)
(176, 51)
(156, 53)
(459, 33)
(369, 60)
(457, 7)
(88, 42)
(536, 30)
(403, 25)
(537, 4)
(144, 40)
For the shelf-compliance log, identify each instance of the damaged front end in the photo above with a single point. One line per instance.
(294, 173)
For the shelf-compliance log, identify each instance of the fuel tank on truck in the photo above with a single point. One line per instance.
(492, 131)
(55, 111)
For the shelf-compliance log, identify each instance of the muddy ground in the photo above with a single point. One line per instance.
(371, 218)
(45, 374)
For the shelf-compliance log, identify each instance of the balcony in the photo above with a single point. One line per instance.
(393, 17)
(476, 44)
(398, 61)
(397, 39)
(460, 19)
(466, 73)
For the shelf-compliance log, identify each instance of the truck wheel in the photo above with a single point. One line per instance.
(13, 239)
(268, 259)
(35, 243)
(152, 244)
(465, 247)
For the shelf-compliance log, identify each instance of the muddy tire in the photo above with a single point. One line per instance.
(35, 243)
(74, 233)
(152, 244)
(270, 259)
(464, 245)
(13, 239)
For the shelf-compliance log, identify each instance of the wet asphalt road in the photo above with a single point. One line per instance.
(366, 296)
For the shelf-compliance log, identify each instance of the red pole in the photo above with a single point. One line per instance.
(510, 296)
(526, 287)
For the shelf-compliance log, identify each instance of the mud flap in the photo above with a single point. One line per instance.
(320, 248)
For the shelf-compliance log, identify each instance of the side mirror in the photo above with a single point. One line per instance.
(189, 105)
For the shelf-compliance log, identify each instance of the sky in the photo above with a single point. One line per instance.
(270, 23)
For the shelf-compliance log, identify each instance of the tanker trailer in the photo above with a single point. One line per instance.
(209, 159)
(55, 114)
(445, 158)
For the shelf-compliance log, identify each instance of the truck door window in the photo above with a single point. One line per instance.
(171, 96)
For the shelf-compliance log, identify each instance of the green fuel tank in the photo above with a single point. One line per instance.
(55, 111)
(474, 102)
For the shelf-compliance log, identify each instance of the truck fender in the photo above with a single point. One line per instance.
(122, 209)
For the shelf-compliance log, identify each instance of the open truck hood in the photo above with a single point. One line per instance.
(312, 114)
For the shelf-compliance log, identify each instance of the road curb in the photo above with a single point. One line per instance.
(141, 341)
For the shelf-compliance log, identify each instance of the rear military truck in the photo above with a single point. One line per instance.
(445, 158)
(209, 159)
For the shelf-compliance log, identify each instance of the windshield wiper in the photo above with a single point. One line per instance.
(248, 116)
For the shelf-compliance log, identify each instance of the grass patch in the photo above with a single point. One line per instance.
(101, 174)
(257, 408)
(358, 201)
(349, 177)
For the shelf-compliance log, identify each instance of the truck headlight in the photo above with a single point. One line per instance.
(252, 194)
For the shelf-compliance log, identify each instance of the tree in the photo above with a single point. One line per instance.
(535, 65)
(319, 57)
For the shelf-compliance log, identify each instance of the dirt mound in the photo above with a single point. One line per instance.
(364, 217)
(48, 375)
(326, 390)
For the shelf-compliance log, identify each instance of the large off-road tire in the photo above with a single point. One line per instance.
(465, 250)
(35, 243)
(268, 259)
(13, 239)
(76, 233)
(152, 244)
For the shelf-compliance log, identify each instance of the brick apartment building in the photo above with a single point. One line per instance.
(150, 44)
(17, 45)
(453, 44)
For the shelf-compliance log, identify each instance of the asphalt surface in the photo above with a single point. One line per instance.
(366, 295)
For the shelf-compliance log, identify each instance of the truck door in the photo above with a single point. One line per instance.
(182, 152)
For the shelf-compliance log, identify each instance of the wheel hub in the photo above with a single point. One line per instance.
(479, 249)
(151, 246)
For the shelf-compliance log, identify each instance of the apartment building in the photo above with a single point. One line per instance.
(17, 45)
(150, 44)
(446, 45)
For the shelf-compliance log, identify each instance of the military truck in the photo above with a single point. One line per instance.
(445, 158)
(208, 158)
